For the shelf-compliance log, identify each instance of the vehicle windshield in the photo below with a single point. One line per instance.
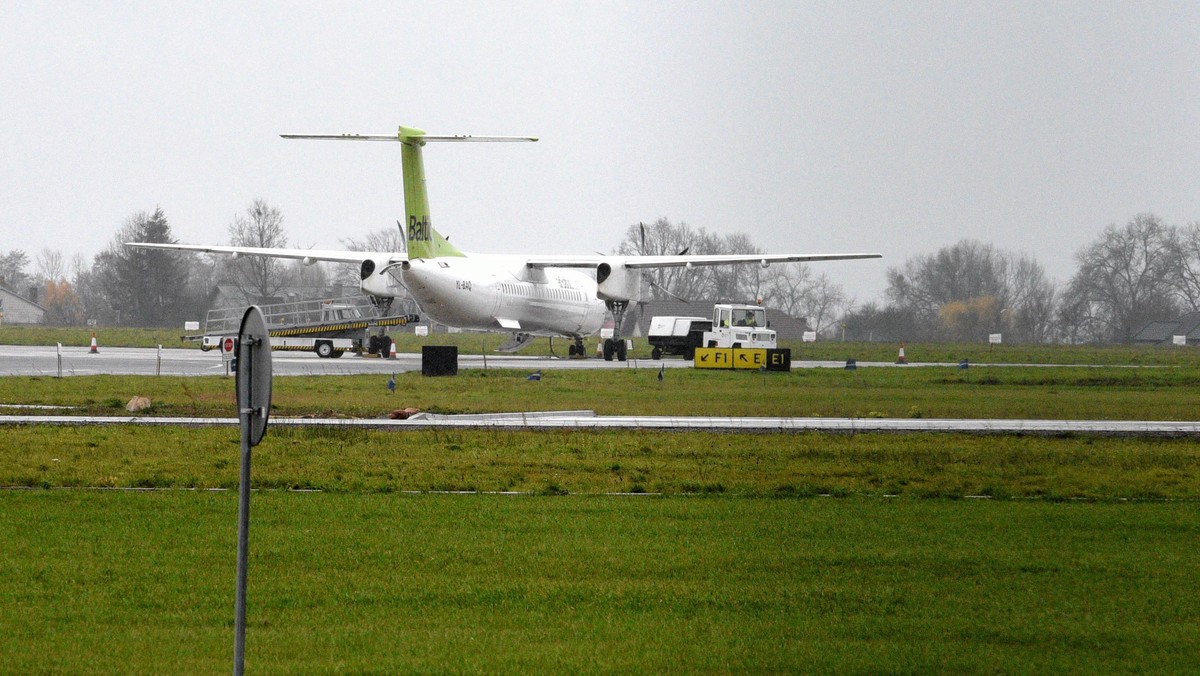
(750, 317)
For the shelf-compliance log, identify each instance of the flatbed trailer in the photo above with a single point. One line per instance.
(330, 328)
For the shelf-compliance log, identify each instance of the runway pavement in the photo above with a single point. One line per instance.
(21, 360)
(78, 361)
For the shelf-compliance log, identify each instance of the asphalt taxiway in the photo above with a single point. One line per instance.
(22, 360)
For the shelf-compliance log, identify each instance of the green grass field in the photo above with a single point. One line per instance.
(930, 392)
(143, 582)
(1081, 560)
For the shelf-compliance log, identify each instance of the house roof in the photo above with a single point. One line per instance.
(1163, 330)
(10, 294)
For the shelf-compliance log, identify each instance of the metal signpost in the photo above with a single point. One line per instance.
(254, 405)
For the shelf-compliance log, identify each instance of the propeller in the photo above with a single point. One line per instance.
(650, 280)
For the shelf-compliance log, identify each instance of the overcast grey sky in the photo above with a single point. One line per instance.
(811, 127)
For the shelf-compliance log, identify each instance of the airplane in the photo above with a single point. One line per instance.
(526, 295)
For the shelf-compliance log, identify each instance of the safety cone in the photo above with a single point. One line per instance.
(94, 349)
(392, 351)
(900, 359)
(599, 349)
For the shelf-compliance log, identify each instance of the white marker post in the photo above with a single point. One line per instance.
(253, 385)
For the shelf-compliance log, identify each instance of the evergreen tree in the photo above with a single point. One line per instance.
(142, 287)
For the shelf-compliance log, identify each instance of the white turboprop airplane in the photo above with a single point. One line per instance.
(527, 295)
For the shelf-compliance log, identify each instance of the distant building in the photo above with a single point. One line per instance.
(1163, 332)
(15, 309)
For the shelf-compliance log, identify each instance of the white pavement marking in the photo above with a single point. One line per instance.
(585, 420)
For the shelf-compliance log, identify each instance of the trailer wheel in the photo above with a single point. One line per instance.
(324, 350)
(656, 353)
(337, 353)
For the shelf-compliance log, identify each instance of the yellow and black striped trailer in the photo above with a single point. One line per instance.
(327, 339)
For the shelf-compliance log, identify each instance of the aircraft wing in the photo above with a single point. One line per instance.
(681, 261)
(307, 255)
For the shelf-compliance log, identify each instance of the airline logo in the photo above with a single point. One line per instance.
(419, 231)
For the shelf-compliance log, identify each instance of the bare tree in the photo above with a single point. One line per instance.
(1185, 250)
(968, 269)
(796, 291)
(1124, 280)
(390, 240)
(972, 288)
(259, 278)
(664, 238)
(788, 287)
(825, 303)
(50, 266)
(1029, 313)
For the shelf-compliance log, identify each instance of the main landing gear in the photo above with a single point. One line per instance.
(616, 346)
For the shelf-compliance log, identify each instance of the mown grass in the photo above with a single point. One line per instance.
(737, 567)
(1107, 393)
(591, 462)
(127, 582)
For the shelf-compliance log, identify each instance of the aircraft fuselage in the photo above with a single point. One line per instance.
(498, 292)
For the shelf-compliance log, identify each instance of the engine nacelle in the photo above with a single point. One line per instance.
(618, 283)
(373, 280)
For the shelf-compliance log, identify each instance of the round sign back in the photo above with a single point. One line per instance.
(254, 373)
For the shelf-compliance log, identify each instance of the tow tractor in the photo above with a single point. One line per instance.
(330, 328)
(730, 326)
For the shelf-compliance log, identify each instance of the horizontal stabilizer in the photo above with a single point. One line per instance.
(405, 137)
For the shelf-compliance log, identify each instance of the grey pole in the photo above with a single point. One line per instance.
(243, 553)
(254, 407)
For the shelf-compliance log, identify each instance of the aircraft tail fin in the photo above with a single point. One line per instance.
(422, 239)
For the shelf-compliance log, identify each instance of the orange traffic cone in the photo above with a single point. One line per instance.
(94, 349)
(392, 351)
(900, 359)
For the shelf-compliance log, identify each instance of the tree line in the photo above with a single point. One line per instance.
(1128, 276)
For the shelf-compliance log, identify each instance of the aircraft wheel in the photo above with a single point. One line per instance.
(571, 350)
(621, 350)
(609, 349)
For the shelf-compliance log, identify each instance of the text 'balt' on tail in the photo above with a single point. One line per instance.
(422, 239)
